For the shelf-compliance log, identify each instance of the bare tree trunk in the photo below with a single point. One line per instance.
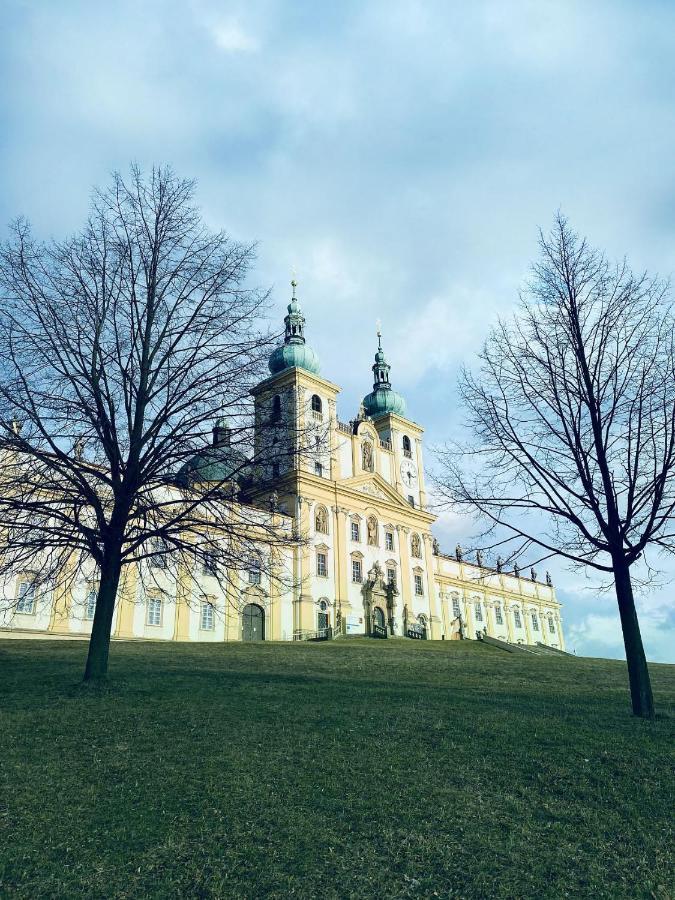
(638, 673)
(99, 644)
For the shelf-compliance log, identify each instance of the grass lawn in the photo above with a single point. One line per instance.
(348, 769)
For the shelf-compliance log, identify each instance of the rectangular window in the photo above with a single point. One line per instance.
(535, 622)
(478, 611)
(159, 549)
(154, 611)
(90, 605)
(356, 571)
(206, 619)
(254, 573)
(356, 531)
(516, 618)
(498, 615)
(210, 563)
(388, 540)
(551, 625)
(455, 607)
(26, 604)
(411, 500)
(419, 586)
(322, 565)
(318, 469)
(391, 577)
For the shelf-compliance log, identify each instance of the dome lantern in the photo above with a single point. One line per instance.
(294, 351)
(382, 398)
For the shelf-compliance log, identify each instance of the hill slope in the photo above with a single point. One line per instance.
(349, 769)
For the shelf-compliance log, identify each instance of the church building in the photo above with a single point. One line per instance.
(368, 563)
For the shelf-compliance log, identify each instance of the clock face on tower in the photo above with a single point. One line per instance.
(408, 472)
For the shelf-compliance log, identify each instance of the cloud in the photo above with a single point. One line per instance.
(232, 38)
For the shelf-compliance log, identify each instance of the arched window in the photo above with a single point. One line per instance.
(321, 520)
(407, 447)
(317, 405)
(276, 408)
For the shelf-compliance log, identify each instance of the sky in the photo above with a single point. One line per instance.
(401, 156)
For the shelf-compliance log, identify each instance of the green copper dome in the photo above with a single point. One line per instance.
(382, 399)
(220, 462)
(294, 351)
(289, 355)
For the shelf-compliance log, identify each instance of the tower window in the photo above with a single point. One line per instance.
(419, 586)
(318, 469)
(317, 406)
(276, 408)
(551, 625)
(407, 447)
(411, 500)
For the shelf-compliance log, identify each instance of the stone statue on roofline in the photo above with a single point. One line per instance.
(549, 580)
(458, 553)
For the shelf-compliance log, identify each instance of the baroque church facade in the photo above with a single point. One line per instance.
(368, 563)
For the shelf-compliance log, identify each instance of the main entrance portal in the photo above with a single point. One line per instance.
(253, 623)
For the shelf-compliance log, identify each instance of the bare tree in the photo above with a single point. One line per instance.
(119, 347)
(573, 416)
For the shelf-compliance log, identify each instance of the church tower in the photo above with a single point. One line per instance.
(387, 410)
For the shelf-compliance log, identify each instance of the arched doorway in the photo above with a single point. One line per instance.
(378, 616)
(252, 623)
(323, 618)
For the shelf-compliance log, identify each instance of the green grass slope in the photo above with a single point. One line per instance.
(350, 769)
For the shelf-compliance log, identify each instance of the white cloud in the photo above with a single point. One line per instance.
(232, 38)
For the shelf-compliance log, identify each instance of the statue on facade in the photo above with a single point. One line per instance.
(361, 415)
(479, 558)
(367, 456)
(274, 501)
(416, 546)
(516, 570)
(78, 448)
(436, 547)
(533, 575)
(372, 532)
(458, 553)
(500, 564)
(549, 580)
(321, 520)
